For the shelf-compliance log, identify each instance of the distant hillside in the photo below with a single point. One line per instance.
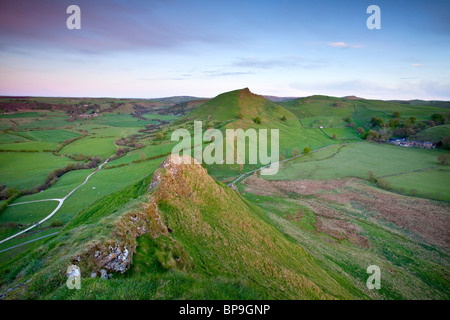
(279, 99)
(84, 105)
(331, 112)
(183, 108)
(431, 103)
(434, 134)
(241, 108)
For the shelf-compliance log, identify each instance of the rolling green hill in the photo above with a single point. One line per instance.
(315, 111)
(434, 134)
(238, 110)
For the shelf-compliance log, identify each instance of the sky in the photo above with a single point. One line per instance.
(151, 48)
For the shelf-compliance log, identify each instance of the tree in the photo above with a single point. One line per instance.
(306, 150)
(240, 115)
(257, 120)
(394, 123)
(159, 136)
(360, 130)
(283, 118)
(377, 122)
(396, 114)
(372, 177)
(372, 135)
(296, 152)
(446, 142)
(443, 159)
(334, 136)
(438, 118)
(413, 119)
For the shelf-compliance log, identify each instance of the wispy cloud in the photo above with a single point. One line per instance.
(344, 45)
(416, 65)
(226, 73)
(286, 62)
(106, 26)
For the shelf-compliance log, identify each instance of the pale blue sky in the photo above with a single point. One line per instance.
(148, 49)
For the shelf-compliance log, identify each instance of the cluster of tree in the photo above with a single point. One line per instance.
(120, 152)
(377, 122)
(9, 195)
(128, 142)
(149, 128)
(20, 150)
(397, 127)
(24, 104)
(6, 193)
(369, 135)
(127, 145)
(139, 111)
(296, 152)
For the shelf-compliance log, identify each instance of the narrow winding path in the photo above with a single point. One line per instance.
(278, 162)
(61, 201)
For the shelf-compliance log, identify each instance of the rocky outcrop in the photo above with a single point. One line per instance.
(103, 258)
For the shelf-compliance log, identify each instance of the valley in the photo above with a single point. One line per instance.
(343, 199)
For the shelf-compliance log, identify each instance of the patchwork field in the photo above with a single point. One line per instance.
(393, 164)
(309, 232)
(28, 169)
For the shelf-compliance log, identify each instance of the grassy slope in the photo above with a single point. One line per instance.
(318, 111)
(434, 134)
(411, 269)
(229, 248)
(232, 106)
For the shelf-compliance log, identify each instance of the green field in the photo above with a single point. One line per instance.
(56, 136)
(356, 160)
(91, 146)
(147, 152)
(11, 138)
(28, 170)
(28, 213)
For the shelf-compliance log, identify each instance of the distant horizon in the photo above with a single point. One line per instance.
(211, 97)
